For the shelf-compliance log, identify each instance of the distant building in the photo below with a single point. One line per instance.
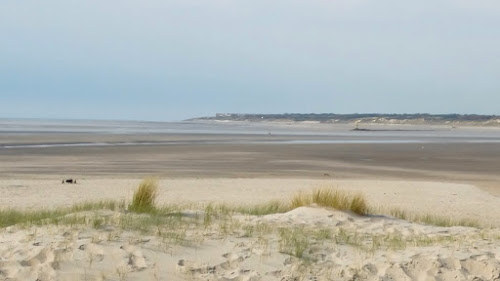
(229, 115)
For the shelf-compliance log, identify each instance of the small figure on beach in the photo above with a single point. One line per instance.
(72, 181)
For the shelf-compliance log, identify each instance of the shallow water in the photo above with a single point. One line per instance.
(296, 133)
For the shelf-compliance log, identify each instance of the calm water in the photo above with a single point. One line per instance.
(318, 133)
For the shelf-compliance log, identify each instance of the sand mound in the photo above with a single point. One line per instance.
(308, 243)
(447, 199)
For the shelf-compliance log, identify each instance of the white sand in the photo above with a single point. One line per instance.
(447, 199)
(73, 253)
(359, 248)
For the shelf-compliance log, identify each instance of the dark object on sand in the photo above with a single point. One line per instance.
(69, 181)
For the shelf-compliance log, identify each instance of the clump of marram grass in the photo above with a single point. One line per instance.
(300, 199)
(331, 198)
(359, 205)
(144, 197)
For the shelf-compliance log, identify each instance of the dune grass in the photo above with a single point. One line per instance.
(10, 217)
(331, 198)
(432, 219)
(294, 241)
(190, 225)
(300, 199)
(446, 221)
(144, 197)
(271, 207)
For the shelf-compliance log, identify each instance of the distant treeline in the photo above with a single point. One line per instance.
(332, 117)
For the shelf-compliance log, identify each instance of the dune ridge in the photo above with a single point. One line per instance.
(220, 241)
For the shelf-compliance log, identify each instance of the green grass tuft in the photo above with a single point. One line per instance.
(10, 217)
(433, 219)
(272, 207)
(293, 241)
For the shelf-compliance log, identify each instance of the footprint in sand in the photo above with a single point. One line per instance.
(241, 275)
(191, 267)
(136, 259)
(94, 252)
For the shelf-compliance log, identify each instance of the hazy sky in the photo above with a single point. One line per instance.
(175, 59)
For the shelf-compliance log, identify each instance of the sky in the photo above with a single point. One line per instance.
(169, 60)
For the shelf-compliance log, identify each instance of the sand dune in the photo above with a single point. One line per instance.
(328, 245)
(447, 199)
(307, 243)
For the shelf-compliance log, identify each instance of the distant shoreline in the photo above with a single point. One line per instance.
(389, 130)
(389, 119)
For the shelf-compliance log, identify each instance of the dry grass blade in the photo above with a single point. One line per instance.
(359, 205)
(300, 200)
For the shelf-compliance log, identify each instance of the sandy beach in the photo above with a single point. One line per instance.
(447, 199)
(454, 179)
(465, 157)
(249, 140)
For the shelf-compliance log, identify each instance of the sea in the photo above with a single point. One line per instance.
(275, 132)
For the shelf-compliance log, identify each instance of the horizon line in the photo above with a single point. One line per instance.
(215, 115)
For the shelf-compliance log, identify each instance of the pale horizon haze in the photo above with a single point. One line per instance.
(166, 60)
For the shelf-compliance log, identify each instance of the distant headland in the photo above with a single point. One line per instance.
(378, 118)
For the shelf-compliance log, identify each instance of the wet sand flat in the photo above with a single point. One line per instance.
(235, 156)
(421, 174)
